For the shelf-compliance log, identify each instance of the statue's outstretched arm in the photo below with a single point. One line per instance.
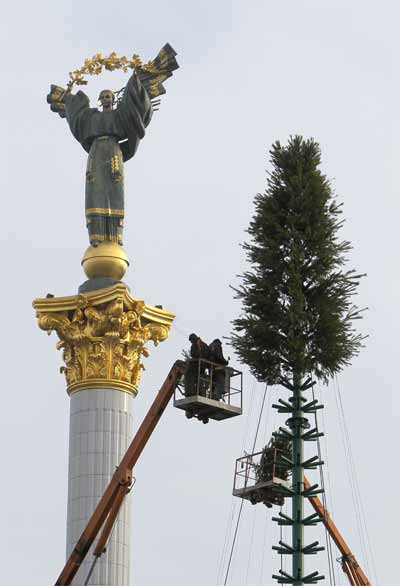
(56, 99)
(160, 69)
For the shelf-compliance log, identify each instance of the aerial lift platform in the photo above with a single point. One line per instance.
(209, 391)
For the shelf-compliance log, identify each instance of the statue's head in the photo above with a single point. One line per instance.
(106, 99)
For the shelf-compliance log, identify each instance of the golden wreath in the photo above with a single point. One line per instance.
(97, 63)
(152, 75)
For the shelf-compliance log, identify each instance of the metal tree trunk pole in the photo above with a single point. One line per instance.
(298, 431)
(298, 482)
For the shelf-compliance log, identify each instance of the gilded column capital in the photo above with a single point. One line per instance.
(103, 336)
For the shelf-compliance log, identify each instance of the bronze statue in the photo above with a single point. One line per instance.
(111, 136)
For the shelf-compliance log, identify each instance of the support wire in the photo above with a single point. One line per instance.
(351, 475)
(251, 546)
(263, 549)
(328, 539)
(241, 504)
(357, 499)
(233, 499)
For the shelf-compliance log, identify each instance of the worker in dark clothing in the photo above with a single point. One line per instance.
(215, 349)
(198, 348)
(271, 463)
(218, 369)
(196, 369)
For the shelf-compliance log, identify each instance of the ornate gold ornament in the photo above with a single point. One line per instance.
(103, 335)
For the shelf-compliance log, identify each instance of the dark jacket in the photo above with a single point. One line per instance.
(200, 349)
(216, 354)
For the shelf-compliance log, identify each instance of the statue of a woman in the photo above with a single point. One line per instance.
(111, 137)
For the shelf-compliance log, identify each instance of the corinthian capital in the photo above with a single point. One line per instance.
(103, 336)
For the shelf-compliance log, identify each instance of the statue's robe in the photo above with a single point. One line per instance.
(110, 138)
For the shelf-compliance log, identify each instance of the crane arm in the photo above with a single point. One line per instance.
(350, 565)
(110, 503)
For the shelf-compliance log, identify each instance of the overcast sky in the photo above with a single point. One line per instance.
(250, 73)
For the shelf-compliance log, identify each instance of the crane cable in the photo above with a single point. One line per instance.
(355, 488)
(241, 504)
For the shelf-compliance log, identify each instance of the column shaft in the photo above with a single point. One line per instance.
(100, 432)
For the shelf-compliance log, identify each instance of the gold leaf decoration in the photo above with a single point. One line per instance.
(97, 63)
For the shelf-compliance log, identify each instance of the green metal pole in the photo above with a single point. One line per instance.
(298, 407)
(298, 483)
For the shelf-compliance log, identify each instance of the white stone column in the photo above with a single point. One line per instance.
(103, 335)
(100, 432)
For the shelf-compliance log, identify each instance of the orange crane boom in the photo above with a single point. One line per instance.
(350, 565)
(110, 503)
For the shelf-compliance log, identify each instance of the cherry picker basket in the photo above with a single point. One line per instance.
(209, 391)
(262, 477)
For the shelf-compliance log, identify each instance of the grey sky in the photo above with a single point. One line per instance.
(251, 73)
